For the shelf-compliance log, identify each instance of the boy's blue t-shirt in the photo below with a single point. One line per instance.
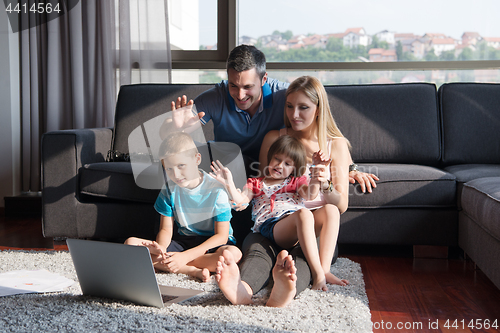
(196, 210)
(234, 125)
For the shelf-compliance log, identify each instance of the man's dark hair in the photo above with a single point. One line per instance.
(245, 57)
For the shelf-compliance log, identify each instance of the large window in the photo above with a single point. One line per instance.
(350, 42)
(372, 31)
(193, 24)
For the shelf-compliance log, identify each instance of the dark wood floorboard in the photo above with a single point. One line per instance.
(419, 295)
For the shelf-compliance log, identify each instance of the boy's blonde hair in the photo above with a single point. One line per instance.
(315, 91)
(294, 149)
(176, 143)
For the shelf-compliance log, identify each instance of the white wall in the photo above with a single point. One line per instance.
(9, 111)
(184, 24)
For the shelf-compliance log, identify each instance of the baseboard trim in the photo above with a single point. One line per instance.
(26, 204)
(430, 251)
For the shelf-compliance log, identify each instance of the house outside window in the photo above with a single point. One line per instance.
(351, 43)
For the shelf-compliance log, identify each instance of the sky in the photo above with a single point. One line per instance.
(451, 17)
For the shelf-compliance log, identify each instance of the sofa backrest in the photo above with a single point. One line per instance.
(471, 123)
(389, 123)
(139, 103)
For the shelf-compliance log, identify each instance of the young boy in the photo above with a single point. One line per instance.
(195, 214)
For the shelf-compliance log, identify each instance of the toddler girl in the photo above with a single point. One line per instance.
(278, 210)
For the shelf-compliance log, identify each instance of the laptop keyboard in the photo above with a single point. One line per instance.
(167, 298)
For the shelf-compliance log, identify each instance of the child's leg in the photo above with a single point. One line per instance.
(135, 241)
(209, 260)
(201, 273)
(299, 226)
(203, 265)
(327, 224)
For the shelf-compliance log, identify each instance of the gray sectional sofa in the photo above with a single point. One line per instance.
(436, 152)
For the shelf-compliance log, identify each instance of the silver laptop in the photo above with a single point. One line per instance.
(120, 271)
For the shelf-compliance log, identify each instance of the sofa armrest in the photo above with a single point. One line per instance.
(63, 154)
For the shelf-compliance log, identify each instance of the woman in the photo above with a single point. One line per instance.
(307, 118)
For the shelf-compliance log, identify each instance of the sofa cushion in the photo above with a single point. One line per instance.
(470, 118)
(405, 185)
(393, 123)
(468, 172)
(113, 180)
(481, 202)
(402, 226)
(139, 103)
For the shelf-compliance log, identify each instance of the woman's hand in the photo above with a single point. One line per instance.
(365, 180)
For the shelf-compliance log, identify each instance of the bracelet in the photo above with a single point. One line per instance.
(353, 167)
(329, 189)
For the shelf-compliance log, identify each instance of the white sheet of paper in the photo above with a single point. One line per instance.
(39, 281)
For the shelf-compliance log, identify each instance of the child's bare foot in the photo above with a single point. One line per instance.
(154, 247)
(332, 279)
(156, 252)
(228, 278)
(285, 281)
(200, 273)
(319, 284)
(205, 275)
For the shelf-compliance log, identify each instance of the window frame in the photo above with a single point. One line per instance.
(227, 39)
(227, 36)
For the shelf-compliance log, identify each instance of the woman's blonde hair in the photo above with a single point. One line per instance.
(314, 90)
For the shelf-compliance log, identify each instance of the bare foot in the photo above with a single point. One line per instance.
(200, 273)
(228, 278)
(155, 251)
(319, 285)
(332, 279)
(154, 247)
(205, 275)
(285, 280)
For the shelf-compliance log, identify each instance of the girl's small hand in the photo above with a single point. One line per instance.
(320, 158)
(319, 172)
(221, 173)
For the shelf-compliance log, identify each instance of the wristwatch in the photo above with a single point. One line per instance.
(353, 167)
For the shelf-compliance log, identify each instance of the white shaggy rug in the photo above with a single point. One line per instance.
(341, 309)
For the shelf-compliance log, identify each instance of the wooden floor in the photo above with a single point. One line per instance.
(405, 294)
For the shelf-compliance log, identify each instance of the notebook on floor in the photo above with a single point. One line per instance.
(120, 271)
